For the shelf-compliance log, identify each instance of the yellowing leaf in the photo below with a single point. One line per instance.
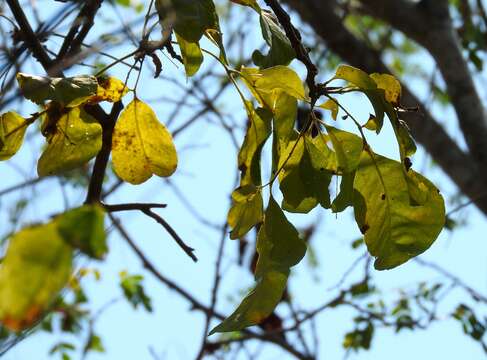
(92, 238)
(400, 216)
(192, 55)
(12, 131)
(36, 267)
(70, 92)
(258, 132)
(266, 84)
(332, 106)
(77, 138)
(355, 76)
(279, 248)
(247, 210)
(110, 89)
(141, 145)
(390, 85)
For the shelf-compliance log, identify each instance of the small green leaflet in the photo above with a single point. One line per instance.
(69, 92)
(192, 55)
(12, 132)
(83, 228)
(76, 140)
(251, 3)
(281, 51)
(399, 217)
(279, 248)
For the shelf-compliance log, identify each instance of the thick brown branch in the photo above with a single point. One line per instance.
(108, 124)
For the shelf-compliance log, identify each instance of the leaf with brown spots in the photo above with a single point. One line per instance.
(141, 145)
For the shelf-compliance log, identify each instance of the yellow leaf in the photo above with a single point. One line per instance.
(36, 267)
(332, 106)
(390, 85)
(77, 138)
(141, 145)
(110, 89)
(12, 131)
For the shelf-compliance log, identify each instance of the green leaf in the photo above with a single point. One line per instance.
(344, 198)
(141, 145)
(12, 132)
(134, 291)
(77, 138)
(281, 51)
(69, 92)
(407, 145)
(279, 248)
(193, 18)
(36, 267)
(355, 76)
(192, 55)
(83, 228)
(348, 148)
(304, 180)
(258, 131)
(247, 210)
(400, 217)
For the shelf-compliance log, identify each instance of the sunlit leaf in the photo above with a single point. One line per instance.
(91, 240)
(141, 145)
(266, 84)
(399, 217)
(110, 89)
(69, 92)
(279, 248)
(76, 139)
(258, 132)
(332, 106)
(348, 148)
(281, 51)
(390, 85)
(355, 76)
(12, 131)
(247, 210)
(36, 267)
